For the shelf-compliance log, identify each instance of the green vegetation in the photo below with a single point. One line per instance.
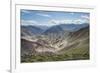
(71, 54)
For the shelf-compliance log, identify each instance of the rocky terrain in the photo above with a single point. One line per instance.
(57, 43)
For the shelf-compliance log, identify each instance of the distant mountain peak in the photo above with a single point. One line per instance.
(54, 29)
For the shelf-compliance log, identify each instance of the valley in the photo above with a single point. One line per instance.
(55, 43)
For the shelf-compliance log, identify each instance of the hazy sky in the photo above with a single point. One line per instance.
(49, 18)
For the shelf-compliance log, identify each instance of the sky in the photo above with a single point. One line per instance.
(51, 18)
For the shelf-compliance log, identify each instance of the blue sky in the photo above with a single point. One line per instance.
(50, 18)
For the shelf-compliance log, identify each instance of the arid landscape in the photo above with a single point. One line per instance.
(59, 42)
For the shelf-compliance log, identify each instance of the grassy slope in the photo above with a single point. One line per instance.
(79, 53)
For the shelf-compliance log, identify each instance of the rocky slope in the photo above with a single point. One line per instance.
(56, 40)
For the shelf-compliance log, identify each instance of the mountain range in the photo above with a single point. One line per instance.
(36, 30)
(56, 40)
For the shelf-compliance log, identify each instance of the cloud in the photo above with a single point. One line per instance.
(60, 21)
(68, 21)
(28, 22)
(25, 11)
(85, 17)
(80, 21)
(44, 15)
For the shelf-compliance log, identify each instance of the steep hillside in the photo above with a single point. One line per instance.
(30, 30)
(56, 44)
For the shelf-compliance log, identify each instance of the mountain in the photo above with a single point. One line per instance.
(54, 29)
(56, 41)
(43, 27)
(25, 32)
(73, 27)
(27, 47)
(61, 28)
(56, 47)
(30, 30)
(35, 47)
(57, 29)
(78, 44)
(80, 34)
